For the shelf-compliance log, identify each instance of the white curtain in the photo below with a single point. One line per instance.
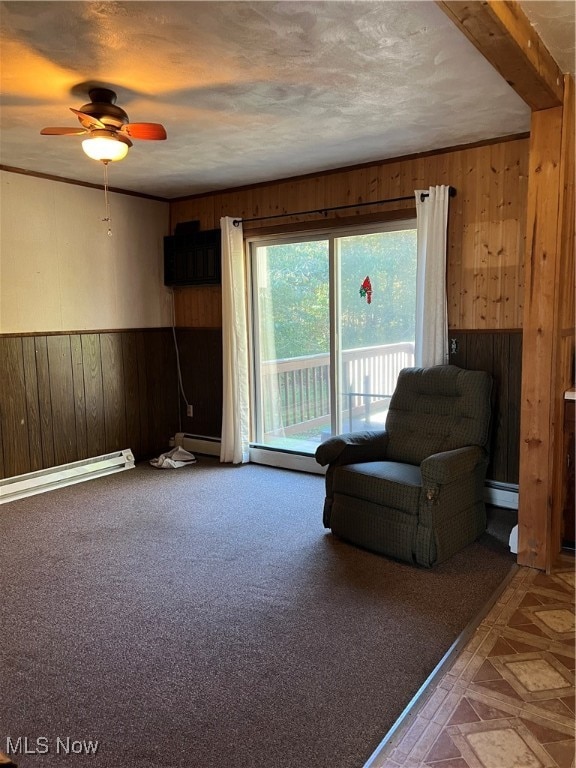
(236, 397)
(431, 339)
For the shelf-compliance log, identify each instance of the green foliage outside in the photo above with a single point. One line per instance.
(296, 296)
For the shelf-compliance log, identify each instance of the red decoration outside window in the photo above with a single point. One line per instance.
(366, 290)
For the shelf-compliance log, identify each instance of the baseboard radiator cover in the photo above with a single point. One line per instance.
(209, 446)
(501, 494)
(20, 486)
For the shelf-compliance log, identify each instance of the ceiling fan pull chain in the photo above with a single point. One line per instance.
(106, 200)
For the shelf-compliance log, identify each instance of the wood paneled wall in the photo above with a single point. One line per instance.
(499, 353)
(486, 236)
(71, 396)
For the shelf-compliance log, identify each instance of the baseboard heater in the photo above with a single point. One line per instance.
(20, 486)
(501, 494)
(210, 446)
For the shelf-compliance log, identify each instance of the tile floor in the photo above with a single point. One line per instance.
(507, 701)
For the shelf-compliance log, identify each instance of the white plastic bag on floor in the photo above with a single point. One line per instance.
(174, 459)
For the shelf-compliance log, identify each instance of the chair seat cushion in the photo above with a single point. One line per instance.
(387, 483)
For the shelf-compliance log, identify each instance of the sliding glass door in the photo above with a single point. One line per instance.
(333, 324)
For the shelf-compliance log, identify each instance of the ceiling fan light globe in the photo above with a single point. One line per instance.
(105, 149)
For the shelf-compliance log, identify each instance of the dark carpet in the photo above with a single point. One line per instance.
(203, 618)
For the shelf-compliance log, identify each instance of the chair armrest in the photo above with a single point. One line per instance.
(353, 447)
(441, 468)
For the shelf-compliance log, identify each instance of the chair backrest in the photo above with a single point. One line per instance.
(438, 409)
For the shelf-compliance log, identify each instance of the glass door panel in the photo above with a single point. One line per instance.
(292, 344)
(377, 288)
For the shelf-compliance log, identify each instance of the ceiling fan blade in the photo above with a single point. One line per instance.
(149, 131)
(87, 120)
(62, 131)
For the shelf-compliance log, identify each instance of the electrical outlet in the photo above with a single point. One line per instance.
(190, 410)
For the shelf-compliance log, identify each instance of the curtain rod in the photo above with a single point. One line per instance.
(324, 211)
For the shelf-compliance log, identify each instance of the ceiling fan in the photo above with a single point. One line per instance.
(107, 127)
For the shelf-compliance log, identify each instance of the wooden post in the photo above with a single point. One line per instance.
(563, 374)
(542, 361)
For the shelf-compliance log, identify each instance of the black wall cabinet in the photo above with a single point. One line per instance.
(192, 257)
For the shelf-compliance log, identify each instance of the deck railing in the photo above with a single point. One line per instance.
(296, 390)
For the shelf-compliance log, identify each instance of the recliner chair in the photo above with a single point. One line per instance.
(414, 491)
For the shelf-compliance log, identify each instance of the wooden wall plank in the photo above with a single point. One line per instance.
(471, 244)
(485, 181)
(45, 402)
(13, 411)
(154, 379)
(131, 390)
(113, 390)
(79, 397)
(32, 403)
(94, 394)
(494, 249)
(62, 396)
(513, 239)
(501, 421)
(514, 399)
(146, 444)
(454, 255)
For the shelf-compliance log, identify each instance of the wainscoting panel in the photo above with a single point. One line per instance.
(46, 435)
(131, 387)
(115, 401)
(62, 397)
(71, 396)
(93, 394)
(67, 397)
(499, 353)
(32, 404)
(14, 439)
(201, 363)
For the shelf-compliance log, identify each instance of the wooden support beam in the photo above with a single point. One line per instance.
(542, 289)
(563, 373)
(502, 33)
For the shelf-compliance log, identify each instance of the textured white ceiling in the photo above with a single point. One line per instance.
(248, 91)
